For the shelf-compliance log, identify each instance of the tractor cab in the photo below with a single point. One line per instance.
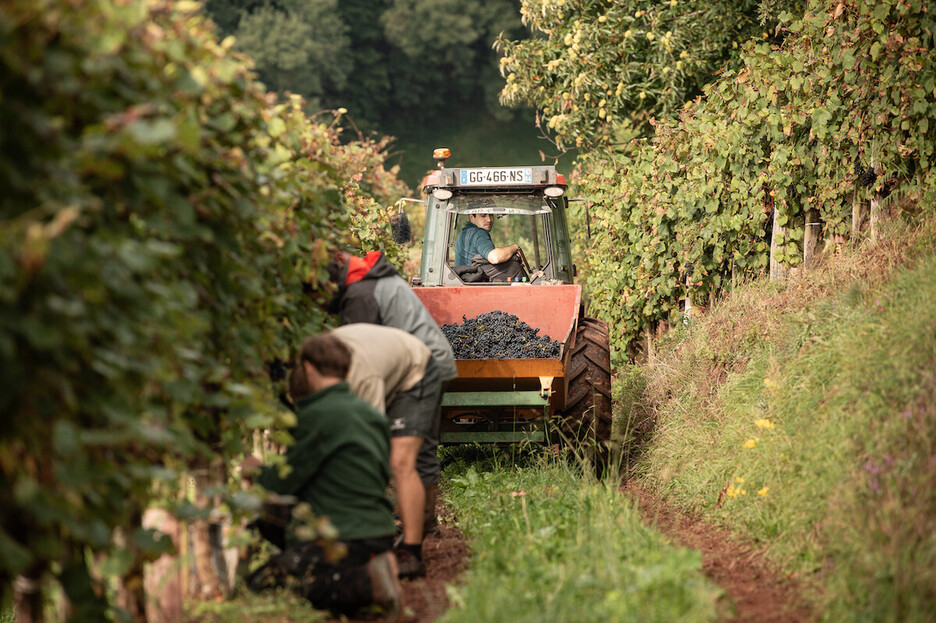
(528, 206)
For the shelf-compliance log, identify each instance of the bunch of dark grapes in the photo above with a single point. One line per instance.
(866, 177)
(276, 369)
(499, 335)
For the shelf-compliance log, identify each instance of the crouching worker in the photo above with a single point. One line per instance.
(339, 465)
(394, 371)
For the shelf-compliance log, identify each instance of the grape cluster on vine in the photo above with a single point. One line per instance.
(866, 177)
(499, 335)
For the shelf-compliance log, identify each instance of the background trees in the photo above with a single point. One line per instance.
(598, 71)
(417, 70)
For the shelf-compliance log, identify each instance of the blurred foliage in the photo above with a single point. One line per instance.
(164, 222)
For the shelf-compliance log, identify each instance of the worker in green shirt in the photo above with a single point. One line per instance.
(339, 465)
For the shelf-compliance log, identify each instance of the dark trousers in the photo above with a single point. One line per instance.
(341, 584)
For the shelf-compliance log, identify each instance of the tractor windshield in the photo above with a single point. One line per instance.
(522, 219)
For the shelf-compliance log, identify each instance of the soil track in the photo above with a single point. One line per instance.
(753, 591)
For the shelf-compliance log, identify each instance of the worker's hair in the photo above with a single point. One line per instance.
(327, 353)
(298, 383)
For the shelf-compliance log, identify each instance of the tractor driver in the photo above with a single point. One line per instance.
(475, 247)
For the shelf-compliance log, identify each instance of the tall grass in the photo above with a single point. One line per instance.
(804, 415)
(551, 543)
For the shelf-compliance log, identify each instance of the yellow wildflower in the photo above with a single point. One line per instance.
(739, 479)
(764, 423)
(751, 443)
(763, 492)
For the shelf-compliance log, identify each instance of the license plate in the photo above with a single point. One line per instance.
(487, 177)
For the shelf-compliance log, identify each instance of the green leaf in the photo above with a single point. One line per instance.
(152, 131)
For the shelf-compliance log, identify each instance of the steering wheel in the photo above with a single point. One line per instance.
(523, 261)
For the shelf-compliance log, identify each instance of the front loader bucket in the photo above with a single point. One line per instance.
(551, 309)
(503, 400)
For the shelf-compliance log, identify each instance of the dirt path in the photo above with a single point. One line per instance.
(755, 592)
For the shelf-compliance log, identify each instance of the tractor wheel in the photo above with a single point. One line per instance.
(586, 419)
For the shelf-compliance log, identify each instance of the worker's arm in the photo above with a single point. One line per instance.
(502, 254)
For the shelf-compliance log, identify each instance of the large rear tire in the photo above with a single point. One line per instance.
(586, 419)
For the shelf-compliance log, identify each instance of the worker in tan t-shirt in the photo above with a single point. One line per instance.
(394, 371)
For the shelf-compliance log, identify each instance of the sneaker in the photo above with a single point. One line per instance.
(385, 586)
(409, 565)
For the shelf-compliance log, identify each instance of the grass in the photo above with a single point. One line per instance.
(271, 607)
(803, 415)
(551, 544)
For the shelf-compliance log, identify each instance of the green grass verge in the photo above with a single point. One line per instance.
(549, 544)
(804, 416)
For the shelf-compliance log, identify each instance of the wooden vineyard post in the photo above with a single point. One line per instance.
(27, 600)
(777, 270)
(208, 476)
(163, 578)
(811, 234)
(876, 211)
(859, 212)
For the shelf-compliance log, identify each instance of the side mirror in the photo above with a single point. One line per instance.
(400, 228)
(399, 222)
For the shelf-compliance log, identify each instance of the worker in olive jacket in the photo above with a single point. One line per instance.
(339, 465)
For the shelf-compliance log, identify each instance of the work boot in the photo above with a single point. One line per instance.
(386, 591)
(410, 564)
(430, 521)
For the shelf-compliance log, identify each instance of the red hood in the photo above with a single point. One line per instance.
(358, 267)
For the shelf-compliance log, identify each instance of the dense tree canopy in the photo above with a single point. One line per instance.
(598, 70)
(383, 60)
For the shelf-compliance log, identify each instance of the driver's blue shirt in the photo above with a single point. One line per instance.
(472, 241)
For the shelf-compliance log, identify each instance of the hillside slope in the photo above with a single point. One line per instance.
(802, 415)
